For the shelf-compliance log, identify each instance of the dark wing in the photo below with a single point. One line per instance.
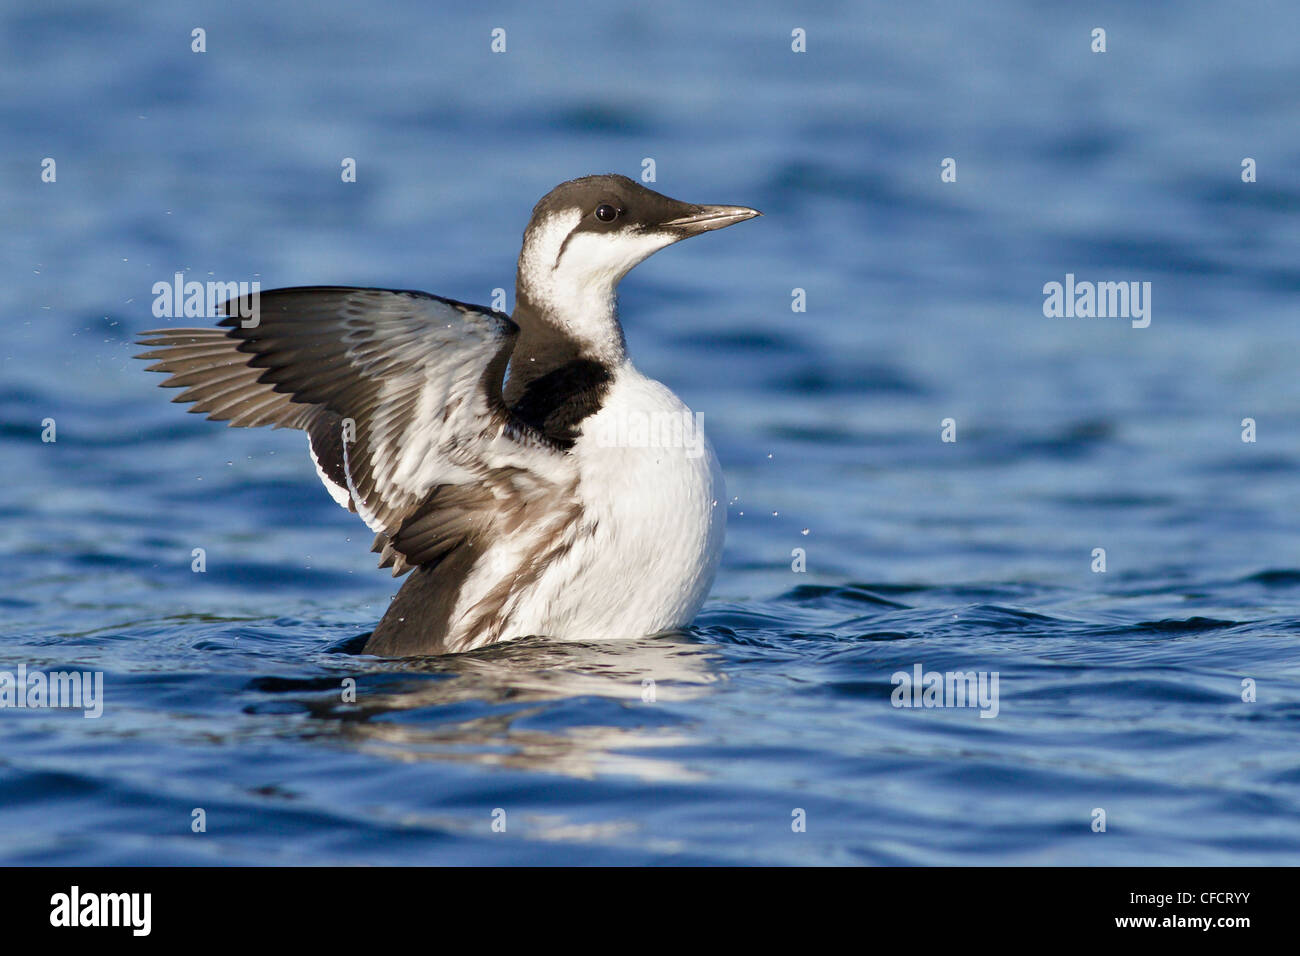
(399, 392)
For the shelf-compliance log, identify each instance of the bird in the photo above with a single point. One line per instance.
(513, 467)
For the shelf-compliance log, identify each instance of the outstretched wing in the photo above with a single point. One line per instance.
(399, 393)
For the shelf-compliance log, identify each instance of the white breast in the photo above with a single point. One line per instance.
(654, 516)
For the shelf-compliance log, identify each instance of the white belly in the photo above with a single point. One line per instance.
(654, 518)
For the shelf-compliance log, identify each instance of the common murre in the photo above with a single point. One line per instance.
(496, 492)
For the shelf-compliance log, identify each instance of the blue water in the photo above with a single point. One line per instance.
(1119, 691)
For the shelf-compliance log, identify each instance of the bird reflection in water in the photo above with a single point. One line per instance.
(415, 709)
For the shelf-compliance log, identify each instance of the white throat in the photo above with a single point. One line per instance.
(572, 278)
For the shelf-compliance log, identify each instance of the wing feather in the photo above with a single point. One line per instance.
(410, 382)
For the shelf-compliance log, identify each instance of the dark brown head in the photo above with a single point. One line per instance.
(584, 236)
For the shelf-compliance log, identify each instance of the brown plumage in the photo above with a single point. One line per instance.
(352, 367)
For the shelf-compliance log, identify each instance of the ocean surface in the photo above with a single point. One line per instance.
(1163, 692)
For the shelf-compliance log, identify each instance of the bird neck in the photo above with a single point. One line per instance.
(556, 329)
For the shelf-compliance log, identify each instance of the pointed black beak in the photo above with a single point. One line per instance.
(707, 218)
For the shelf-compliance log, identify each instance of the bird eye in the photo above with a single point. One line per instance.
(606, 213)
